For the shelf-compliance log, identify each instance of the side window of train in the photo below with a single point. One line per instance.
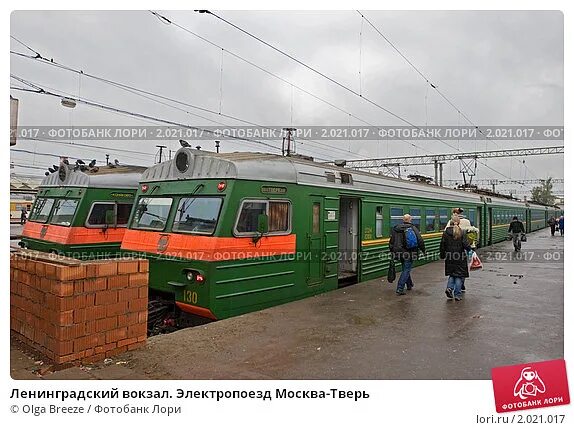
(416, 217)
(278, 213)
(430, 218)
(316, 218)
(97, 216)
(279, 216)
(396, 216)
(443, 218)
(123, 211)
(379, 221)
(472, 216)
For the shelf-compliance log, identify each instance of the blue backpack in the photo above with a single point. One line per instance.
(411, 241)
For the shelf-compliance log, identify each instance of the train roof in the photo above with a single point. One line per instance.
(197, 164)
(117, 177)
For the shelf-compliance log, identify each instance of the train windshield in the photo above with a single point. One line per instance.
(64, 211)
(197, 215)
(151, 213)
(41, 210)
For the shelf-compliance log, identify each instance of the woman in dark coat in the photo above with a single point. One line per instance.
(453, 249)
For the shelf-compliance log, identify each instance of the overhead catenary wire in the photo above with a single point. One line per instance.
(346, 88)
(144, 116)
(149, 95)
(428, 80)
(274, 75)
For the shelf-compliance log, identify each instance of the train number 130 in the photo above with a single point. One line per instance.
(190, 296)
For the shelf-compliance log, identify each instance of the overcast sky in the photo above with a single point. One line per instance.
(499, 68)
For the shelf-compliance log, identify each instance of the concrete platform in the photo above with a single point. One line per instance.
(365, 331)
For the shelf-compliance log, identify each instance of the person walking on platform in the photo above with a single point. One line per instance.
(464, 222)
(552, 224)
(454, 247)
(467, 228)
(405, 244)
(561, 225)
(516, 228)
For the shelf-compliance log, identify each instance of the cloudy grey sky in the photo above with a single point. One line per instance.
(499, 67)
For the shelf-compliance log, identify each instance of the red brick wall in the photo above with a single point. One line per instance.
(71, 310)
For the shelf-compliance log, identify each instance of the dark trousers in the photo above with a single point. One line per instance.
(552, 229)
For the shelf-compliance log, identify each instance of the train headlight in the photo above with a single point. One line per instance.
(221, 186)
(194, 276)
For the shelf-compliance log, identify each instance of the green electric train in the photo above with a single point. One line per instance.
(82, 212)
(232, 233)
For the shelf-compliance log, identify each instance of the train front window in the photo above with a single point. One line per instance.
(197, 215)
(151, 213)
(64, 211)
(41, 210)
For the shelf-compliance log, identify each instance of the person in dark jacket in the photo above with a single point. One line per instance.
(552, 224)
(561, 225)
(516, 228)
(454, 247)
(399, 250)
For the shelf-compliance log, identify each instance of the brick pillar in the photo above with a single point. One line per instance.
(71, 310)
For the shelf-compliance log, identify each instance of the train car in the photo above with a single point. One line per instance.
(499, 213)
(82, 214)
(232, 233)
(538, 217)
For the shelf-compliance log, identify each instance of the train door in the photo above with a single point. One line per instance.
(348, 239)
(528, 219)
(316, 242)
(477, 224)
(489, 221)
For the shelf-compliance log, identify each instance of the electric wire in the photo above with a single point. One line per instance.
(350, 90)
(145, 94)
(429, 82)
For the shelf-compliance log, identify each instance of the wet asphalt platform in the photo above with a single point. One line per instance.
(365, 331)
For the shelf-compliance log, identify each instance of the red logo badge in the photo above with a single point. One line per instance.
(530, 386)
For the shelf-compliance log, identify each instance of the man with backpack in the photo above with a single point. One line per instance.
(405, 244)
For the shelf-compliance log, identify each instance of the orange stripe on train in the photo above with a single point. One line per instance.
(207, 248)
(72, 235)
(204, 312)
